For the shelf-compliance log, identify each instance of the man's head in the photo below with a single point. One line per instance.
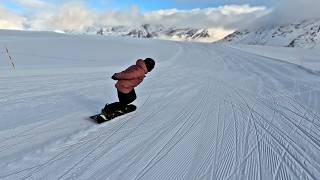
(149, 63)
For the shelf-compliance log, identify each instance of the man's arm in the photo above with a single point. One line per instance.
(133, 73)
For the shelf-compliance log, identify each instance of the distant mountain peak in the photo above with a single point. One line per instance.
(150, 31)
(305, 34)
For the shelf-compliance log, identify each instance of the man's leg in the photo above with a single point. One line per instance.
(126, 99)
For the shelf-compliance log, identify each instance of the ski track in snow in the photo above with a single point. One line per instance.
(207, 112)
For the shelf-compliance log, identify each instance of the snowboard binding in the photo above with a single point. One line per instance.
(111, 114)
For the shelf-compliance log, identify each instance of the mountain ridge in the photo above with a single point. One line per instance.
(149, 31)
(304, 34)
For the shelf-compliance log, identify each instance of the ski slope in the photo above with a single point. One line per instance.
(205, 112)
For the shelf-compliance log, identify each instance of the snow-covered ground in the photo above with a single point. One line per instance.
(305, 58)
(205, 112)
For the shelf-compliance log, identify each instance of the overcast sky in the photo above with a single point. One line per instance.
(221, 15)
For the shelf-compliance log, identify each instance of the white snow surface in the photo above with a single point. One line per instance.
(207, 111)
(305, 58)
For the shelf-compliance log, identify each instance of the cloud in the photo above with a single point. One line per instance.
(77, 16)
(227, 17)
(220, 21)
(33, 4)
(231, 16)
(70, 16)
(296, 10)
(290, 11)
(11, 20)
(47, 15)
(218, 33)
(192, 1)
(130, 16)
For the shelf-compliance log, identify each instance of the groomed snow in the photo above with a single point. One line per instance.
(305, 58)
(205, 112)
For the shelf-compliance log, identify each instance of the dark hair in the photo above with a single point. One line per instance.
(149, 63)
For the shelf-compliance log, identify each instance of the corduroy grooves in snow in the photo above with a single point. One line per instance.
(205, 112)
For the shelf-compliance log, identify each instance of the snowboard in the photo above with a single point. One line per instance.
(100, 118)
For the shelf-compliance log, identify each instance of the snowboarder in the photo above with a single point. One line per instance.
(127, 80)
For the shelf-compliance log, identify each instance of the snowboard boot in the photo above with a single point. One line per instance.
(106, 114)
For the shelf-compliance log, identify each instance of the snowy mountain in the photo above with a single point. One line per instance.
(305, 34)
(150, 31)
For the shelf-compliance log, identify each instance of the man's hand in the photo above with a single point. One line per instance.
(114, 77)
